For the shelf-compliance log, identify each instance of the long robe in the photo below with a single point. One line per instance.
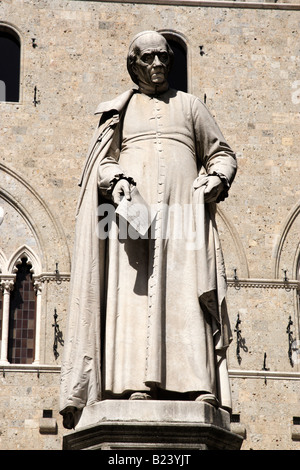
(150, 312)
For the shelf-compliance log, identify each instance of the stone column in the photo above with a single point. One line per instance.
(6, 286)
(38, 289)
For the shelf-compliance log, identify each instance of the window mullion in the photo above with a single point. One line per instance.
(38, 289)
(7, 286)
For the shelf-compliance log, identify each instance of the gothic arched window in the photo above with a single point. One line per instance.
(22, 317)
(178, 75)
(9, 64)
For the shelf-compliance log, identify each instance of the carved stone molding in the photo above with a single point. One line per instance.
(262, 374)
(52, 277)
(44, 225)
(7, 284)
(1, 215)
(287, 251)
(221, 4)
(19, 261)
(38, 286)
(264, 283)
(30, 368)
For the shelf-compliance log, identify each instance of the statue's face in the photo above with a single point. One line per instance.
(152, 60)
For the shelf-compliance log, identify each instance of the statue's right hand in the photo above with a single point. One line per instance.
(121, 189)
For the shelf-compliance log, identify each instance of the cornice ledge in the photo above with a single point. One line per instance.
(263, 374)
(35, 368)
(214, 4)
(264, 283)
(50, 277)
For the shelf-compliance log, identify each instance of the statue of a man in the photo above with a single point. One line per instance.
(147, 313)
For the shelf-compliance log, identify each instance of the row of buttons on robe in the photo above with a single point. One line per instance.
(158, 228)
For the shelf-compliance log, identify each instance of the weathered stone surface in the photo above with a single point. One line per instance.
(153, 411)
(150, 425)
(249, 74)
(48, 426)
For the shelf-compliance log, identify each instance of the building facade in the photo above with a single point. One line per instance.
(243, 60)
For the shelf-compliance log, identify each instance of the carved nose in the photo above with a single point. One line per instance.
(156, 61)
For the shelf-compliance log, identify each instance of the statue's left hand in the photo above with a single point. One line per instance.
(122, 188)
(69, 417)
(213, 189)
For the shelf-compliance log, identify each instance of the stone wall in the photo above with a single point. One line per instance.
(72, 57)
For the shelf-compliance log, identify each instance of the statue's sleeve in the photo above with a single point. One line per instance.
(214, 155)
(109, 170)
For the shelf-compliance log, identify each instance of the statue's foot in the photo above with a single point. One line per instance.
(69, 417)
(208, 398)
(140, 396)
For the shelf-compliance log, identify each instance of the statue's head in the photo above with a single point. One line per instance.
(149, 59)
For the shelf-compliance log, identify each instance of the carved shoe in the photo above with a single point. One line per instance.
(208, 398)
(140, 396)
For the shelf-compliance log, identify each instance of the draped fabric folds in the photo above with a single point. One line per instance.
(174, 330)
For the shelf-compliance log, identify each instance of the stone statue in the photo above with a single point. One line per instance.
(147, 313)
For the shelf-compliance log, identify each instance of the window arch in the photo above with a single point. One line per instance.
(10, 54)
(178, 77)
(21, 309)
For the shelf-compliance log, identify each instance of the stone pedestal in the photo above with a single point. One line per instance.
(152, 425)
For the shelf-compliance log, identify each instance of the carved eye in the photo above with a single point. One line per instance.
(164, 56)
(147, 58)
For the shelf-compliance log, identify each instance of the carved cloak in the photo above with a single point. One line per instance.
(81, 375)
